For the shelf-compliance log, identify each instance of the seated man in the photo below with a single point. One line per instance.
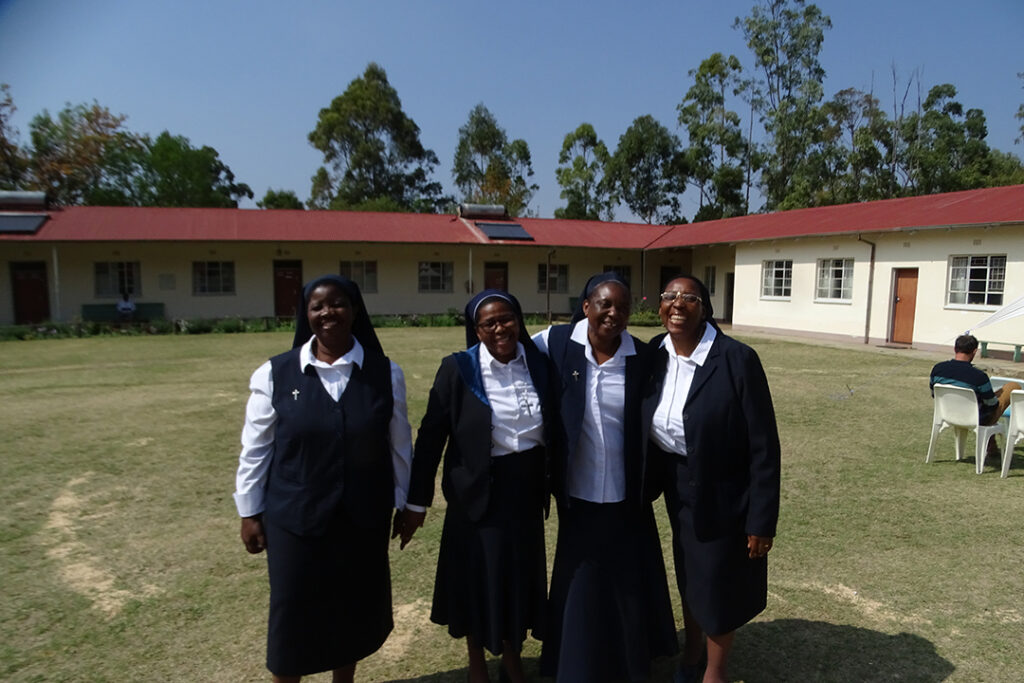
(125, 308)
(959, 372)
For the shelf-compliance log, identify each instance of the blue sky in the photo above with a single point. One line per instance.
(248, 78)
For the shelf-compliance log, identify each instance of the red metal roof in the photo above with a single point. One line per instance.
(997, 205)
(992, 206)
(117, 224)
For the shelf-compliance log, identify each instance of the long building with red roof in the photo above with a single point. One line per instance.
(914, 270)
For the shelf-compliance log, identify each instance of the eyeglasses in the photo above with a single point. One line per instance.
(491, 324)
(685, 297)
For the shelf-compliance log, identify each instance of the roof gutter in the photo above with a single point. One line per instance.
(871, 288)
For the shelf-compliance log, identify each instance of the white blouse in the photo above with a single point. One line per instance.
(261, 418)
(597, 472)
(516, 421)
(667, 424)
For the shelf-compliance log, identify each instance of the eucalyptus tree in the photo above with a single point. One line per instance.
(581, 174)
(373, 157)
(491, 169)
(648, 170)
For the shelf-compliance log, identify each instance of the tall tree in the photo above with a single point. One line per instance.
(82, 153)
(491, 169)
(786, 37)
(372, 152)
(183, 175)
(946, 149)
(581, 175)
(280, 199)
(717, 152)
(648, 169)
(14, 162)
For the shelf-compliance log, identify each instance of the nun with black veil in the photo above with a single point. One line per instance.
(491, 414)
(609, 612)
(326, 455)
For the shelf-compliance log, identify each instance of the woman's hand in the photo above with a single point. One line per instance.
(252, 534)
(405, 525)
(758, 546)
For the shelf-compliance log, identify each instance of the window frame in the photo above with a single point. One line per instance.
(362, 279)
(846, 274)
(117, 271)
(561, 275)
(225, 269)
(625, 273)
(710, 275)
(993, 295)
(787, 279)
(446, 277)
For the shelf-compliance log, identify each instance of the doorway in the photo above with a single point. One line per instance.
(904, 305)
(287, 287)
(31, 292)
(496, 275)
(728, 297)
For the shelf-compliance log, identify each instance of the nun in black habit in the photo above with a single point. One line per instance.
(609, 609)
(490, 412)
(326, 451)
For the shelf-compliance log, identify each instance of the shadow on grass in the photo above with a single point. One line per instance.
(530, 665)
(802, 650)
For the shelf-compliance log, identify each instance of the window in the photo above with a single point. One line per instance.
(436, 276)
(556, 281)
(363, 273)
(977, 280)
(624, 272)
(213, 277)
(835, 279)
(776, 278)
(709, 278)
(113, 277)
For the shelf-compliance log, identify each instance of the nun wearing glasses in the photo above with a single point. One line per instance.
(490, 413)
(709, 423)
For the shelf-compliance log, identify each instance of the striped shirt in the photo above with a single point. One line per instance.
(960, 373)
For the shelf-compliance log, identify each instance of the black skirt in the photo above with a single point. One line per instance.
(609, 610)
(330, 596)
(492, 574)
(722, 586)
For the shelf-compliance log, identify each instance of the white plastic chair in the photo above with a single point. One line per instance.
(957, 407)
(1014, 430)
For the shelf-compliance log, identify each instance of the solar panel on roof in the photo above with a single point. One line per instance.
(21, 222)
(504, 231)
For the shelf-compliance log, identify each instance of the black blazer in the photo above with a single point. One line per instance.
(732, 441)
(458, 414)
(570, 362)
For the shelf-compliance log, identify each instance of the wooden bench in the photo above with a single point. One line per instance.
(107, 313)
(1016, 348)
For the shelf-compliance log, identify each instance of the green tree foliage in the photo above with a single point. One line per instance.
(718, 151)
(14, 162)
(373, 156)
(280, 199)
(491, 169)
(581, 174)
(785, 37)
(183, 175)
(84, 155)
(648, 170)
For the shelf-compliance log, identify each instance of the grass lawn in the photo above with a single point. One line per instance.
(120, 557)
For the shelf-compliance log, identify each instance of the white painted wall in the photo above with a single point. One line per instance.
(936, 323)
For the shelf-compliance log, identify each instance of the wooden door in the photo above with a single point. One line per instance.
(496, 275)
(904, 305)
(287, 286)
(31, 292)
